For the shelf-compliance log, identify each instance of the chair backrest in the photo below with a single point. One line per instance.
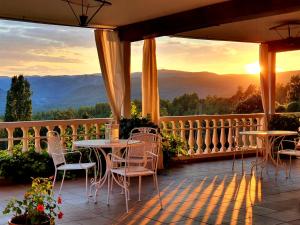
(55, 148)
(151, 143)
(144, 130)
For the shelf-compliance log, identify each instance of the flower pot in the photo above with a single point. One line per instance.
(21, 220)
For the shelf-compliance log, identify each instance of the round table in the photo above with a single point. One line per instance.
(98, 146)
(268, 137)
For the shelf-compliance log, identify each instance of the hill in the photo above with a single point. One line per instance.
(53, 92)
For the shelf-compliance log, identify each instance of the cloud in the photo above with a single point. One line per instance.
(28, 47)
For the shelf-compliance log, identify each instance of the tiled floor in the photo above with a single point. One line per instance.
(199, 193)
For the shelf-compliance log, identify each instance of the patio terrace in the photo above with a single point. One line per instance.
(198, 193)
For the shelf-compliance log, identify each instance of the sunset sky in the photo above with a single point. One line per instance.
(33, 49)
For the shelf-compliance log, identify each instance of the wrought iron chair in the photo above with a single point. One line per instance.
(57, 152)
(135, 163)
(148, 136)
(289, 152)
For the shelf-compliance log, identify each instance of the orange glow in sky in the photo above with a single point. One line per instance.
(35, 49)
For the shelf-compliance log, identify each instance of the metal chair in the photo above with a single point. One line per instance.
(57, 152)
(133, 166)
(290, 152)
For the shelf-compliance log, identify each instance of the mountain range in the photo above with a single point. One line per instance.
(56, 92)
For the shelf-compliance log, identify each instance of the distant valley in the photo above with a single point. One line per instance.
(56, 92)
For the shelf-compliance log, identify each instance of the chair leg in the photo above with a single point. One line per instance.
(126, 194)
(62, 182)
(290, 166)
(54, 179)
(140, 187)
(158, 192)
(108, 187)
(86, 183)
(242, 161)
(233, 161)
(277, 164)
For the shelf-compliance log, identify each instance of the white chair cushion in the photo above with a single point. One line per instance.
(76, 166)
(289, 152)
(133, 171)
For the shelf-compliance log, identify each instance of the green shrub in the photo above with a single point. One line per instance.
(293, 107)
(126, 125)
(174, 145)
(284, 122)
(21, 167)
(280, 108)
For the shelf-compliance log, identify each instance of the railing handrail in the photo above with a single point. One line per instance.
(223, 116)
(41, 123)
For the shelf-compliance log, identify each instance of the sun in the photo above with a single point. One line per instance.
(252, 68)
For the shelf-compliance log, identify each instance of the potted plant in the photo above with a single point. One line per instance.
(38, 206)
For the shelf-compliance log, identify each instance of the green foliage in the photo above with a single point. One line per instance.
(100, 110)
(280, 108)
(293, 107)
(38, 205)
(126, 125)
(252, 104)
(173, 145)
(293, 92)
(284, 122)
(21, 166)
(136, 109)
(18, 100)
(187, 104)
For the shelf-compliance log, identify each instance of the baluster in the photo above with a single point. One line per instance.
(164, 127)
(251, 138)
(244, 137)
(207, 137)
(174, 130)
(260, 126)
(86, 131)
(10, 139)
(237, 133)
(37, 139)
(199, 137)
(222, 136)
(50, 127)
(229, 138)
(97, 126)
(62, 134)
(25, 139)
(182, 132)
(191, 138)
(215, 136)
(74, 134)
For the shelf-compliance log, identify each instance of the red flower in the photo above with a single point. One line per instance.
(60, 215)
(40, 208)
(59, 200)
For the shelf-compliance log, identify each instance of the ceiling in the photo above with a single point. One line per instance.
(128, 12)
(121, 12)
(255, 30)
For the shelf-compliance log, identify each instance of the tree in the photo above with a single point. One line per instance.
(293, 92)
(253, 104)
(18, 100)
(187, 104)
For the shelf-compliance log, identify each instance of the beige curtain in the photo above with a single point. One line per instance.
(150, 94)
(114, 58)
(267, 80)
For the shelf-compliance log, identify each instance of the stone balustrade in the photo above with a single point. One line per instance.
(202, 134)
(213, 134)
(33, 132)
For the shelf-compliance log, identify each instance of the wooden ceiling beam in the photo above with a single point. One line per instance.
(289, 44)
(207, 16)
